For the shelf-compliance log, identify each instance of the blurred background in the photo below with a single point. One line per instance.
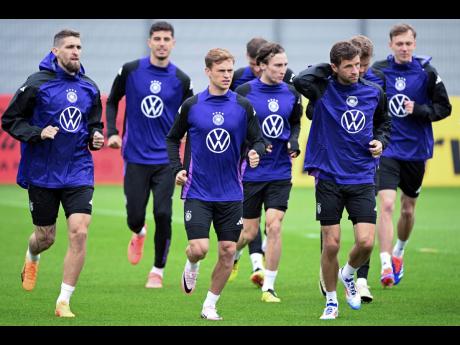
(109, 43)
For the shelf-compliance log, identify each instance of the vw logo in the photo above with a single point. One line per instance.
(218, 140)
(273, 126)
(353, 121)
(152, 106)
(70, 119)
(396, 105)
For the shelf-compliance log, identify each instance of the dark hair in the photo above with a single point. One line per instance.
(63, 34)
(161, 26)
(253, 46)
(399, 29)
(343, 50)
(364, 44)
(267, 51)
(217, 55)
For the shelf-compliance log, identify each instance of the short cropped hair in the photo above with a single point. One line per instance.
(253, 46)
(267, 51)
(63, 34)
(217, 55)
(399, 29)
(364, 44)
(343, 50)
(161, 26)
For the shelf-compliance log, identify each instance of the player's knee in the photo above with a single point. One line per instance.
(45, 236)
(407, 211)
(78, 235)
(274, 230)
(198, 250)
(388, 205)
(331, 247)
(365, 244)
(163, 217)
(136, 223)
(249, 234)
(227, 252)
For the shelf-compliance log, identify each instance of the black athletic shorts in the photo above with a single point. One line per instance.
(273, 194)
(44, 202)
(407, 175)
(359, 200)
(225, 216)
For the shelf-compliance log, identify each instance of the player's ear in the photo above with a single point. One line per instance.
(334, 68)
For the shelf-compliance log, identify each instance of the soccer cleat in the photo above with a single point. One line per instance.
(387, 278)
(363, 290)
(210, 313)
(29, 274)
(352, 295)
(154, 281)
(188, 281)
(321, 283)
(136, 248)
(270, 296)
(233, 275)
(257, 277)
(398, 268)
(331, 312)
(63, 310)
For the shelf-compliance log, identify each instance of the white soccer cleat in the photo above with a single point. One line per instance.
(210, 313)
(188, 281)
(351, 294)
(331, 312)
(363, 290)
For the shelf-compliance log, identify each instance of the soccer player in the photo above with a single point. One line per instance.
(56, 114)
(279, 109)
(241, 76)
(154, 88)
(350, 128)
(222, 130)
(416, 97)
(367, 51)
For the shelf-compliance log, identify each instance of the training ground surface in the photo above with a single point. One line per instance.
(111, 291)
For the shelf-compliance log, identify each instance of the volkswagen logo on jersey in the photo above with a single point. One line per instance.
(353, 121)
(218, 118)
(273, 126)
(273, 105)
(155, 86)
(352, 101)
(152, 106)
(396, 105)
(70, 119)
(71, 95)
(400, 83)
(218, 140)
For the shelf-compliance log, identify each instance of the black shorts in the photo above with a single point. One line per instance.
(407, 175)
(273, 194)
(225, 216)
(139, 180)
(44, 202)
(331, 198)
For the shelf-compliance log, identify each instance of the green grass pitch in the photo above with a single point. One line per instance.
(111, 291)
